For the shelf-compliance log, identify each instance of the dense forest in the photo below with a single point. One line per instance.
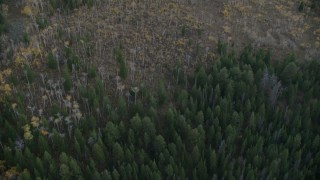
(3, 23)
(248, 115)
(241, 117)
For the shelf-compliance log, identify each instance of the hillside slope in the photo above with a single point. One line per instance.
(164, 89)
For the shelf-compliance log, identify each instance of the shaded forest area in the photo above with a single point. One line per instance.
(240, 117)
(3, 23)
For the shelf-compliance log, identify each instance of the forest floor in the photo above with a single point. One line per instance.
(157, 36)
(17, 21)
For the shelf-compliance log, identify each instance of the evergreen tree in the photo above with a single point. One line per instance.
(64, 171)
(162, 93)
(67, 84)
(98, 154)
(75, 169)
(115, 174)
(106, 175)
(42, 145)
(117, 152)
(52, 62)
(289, 72)
(159, 144)
(40, 167)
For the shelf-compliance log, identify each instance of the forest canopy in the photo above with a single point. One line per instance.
(239, 117)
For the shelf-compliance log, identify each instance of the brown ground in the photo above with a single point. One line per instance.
(151, 34)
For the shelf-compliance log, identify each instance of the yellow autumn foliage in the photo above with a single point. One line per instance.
(26, 127)
(18, 60)
(225, 11)
(28, 54)
(44, 132)
(27, 135)
(211, 38)
(78, 115)
(11, 173)
(68, 97)
(27, 10)
(172, 6)
(5, 88)
(66, 43)
(226, 29)
(181, 42)
(14, 105)
(75, 105)
(35, 121)
(317, 32)
(115, 11)
(2, 165)
(7, 72)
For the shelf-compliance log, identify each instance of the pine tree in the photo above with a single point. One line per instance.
(52, 62)
(40, 168)
(162, 93)
(111, 134)
(301, 6)
(123, 71)
(122, 107)
(25, 175)
(67, 84)
(75, 169)
(42, 145)
(195, 155)
(64, 159)
(64, 172)
(106, 175)
(115, 174)
(199, 118)
(117, 152)
(58, 142)
(96, 175)
(98, 154)
(159, 144)
(289, 72)
(91, 72)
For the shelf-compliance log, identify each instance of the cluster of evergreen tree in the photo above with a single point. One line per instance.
(316, 3)
(71, 4)
(3, 23)
(239, 118)
(3, 28)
